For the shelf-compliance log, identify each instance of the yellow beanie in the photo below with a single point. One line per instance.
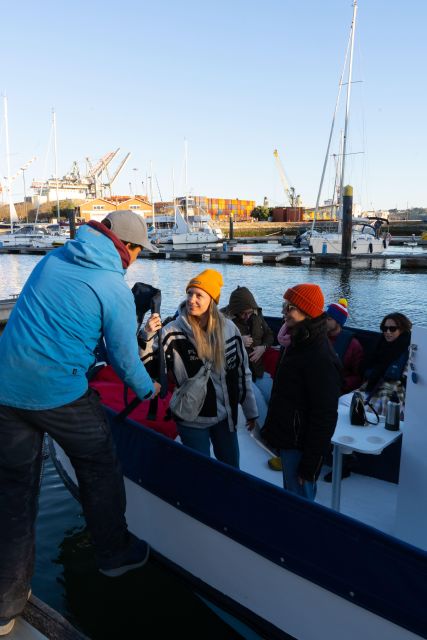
(210, 281)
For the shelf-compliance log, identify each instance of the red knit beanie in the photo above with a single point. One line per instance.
(307, 297)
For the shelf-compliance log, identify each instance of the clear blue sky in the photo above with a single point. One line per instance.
(236, 78)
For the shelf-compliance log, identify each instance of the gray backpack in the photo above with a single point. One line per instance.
(187, 400)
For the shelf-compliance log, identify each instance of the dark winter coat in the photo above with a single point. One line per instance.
(303, 408)
(256, 327)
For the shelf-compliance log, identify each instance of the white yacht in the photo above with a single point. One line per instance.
(364, 239)
(185, 228)
(34, 235)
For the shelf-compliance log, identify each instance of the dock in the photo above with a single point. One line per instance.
(41, 622)
(291, 256)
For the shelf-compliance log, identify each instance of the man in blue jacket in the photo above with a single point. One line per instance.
(74, 297)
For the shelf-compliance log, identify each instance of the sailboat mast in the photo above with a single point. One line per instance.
(153, 218)
(186, 178)
(55, 150)
(335, 193)
(325, 162)
(173, 197)
(347, 106)
(12, 213)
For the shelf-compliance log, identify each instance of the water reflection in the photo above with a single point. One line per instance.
(371, 292)
(150, 602)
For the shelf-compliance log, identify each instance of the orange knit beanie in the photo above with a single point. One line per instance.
(210, 281)
(307, 297)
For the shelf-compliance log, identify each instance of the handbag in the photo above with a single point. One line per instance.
(358, 415)
(188, 399)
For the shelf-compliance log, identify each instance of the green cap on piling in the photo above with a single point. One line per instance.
(348, 190)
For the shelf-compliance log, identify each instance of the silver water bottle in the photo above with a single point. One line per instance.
(392, 418)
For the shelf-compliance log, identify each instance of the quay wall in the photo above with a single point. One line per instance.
(256, 228)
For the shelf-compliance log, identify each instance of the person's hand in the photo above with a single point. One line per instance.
(157, 388)
(153, 324)
(247, 341)
(250, 424)
(257, 353)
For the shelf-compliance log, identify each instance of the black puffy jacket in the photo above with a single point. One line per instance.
(303, 408)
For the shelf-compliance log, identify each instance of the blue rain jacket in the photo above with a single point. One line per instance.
(73, 297)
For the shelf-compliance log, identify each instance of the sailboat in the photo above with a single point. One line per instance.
(183, 229)
(366, 236)
(12, 211)
(27, 235)
(188, 225)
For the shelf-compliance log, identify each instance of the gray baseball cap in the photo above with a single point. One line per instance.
(131, 227)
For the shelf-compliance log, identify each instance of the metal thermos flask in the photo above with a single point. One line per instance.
(392, 419)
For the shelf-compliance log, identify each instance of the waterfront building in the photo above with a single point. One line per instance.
(98, 208)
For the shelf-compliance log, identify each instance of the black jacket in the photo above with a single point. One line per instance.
(303, 408)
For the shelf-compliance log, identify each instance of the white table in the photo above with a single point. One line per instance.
(372, 439)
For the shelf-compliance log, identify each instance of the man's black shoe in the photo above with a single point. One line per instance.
(345, 473)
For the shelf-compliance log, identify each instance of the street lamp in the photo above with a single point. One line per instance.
(136, 180)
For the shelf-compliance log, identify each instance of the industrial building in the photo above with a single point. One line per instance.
(97, 182)
(217, 208)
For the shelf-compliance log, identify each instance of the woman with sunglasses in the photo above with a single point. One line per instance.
(303, 408)
(386, 370)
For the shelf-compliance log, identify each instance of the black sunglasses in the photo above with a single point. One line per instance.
(391, 329)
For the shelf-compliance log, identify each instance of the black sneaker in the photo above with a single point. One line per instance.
(344, 474)
(135, 556)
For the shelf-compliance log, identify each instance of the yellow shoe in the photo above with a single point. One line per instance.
(275, 463)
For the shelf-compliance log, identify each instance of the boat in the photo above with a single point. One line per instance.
(282, 565)
(365, 238)
(6, 307)
(27, 235)
(34, 235)
(185, 227)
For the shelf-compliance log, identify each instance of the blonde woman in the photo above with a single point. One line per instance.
(198, 334)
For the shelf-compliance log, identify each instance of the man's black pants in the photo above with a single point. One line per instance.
(82, 430)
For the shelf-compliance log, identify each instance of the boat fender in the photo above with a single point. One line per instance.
(371, 248)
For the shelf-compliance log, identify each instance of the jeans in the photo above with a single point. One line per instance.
(82, 430)
(290, 461)
(224, 442)
(265, 384)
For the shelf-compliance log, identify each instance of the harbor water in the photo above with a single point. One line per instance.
(153, 601)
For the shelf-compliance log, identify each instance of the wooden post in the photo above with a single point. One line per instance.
(72, 220)
(347, 210)
(231, 235)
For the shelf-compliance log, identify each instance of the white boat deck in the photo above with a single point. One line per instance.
(366, 499)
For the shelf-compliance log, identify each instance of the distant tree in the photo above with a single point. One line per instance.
(65, 207)
(261, 213)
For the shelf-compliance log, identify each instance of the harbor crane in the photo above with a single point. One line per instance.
(97, 184)
(293, 199)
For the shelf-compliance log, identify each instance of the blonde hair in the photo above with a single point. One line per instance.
(210, 339)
